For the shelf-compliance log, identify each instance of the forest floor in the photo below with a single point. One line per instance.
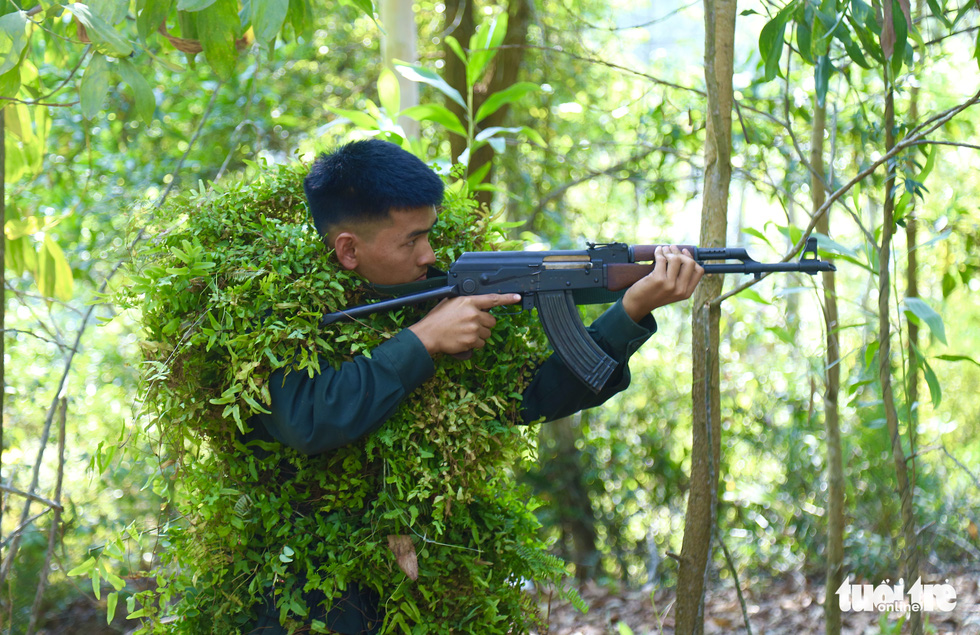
(791, 606)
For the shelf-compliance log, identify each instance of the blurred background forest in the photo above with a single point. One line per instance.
(844, 409)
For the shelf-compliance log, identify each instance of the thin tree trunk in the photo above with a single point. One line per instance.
(3, 283)
(910, 547)
(706, 434)
(398, 43)
(912, 289)
(835, 466)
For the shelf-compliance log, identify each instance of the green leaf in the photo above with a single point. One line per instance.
(425, 76)
(821, 78)
(804, 41)
(94, 86)
(534, 136)
(489, 133)
(389, 92)
(364, 6)
(83, 569)
(216, 28)
(145, 102)
(476, 177)
(99, 31)
(111, 601)
(935, 389)
(194, 5)
(436, 113)
(924, 312)
(939, 13)
(358, 118)
(10, 82)
(13, 39)
(112, 12)
(771, 41)
(503, 97)
(54, 277)
(870, 352)
(150, 14)
(267, 18)
(958, 358)
(754, 295)
(300, 17)
(483, 47)
(456, 48)
(853, 50)
(901, 37)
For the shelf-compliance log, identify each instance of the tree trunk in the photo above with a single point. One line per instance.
(503, 72)
(835, 464)
(912, 288)
(3, 282)
(706, 437)
(398, 43)
(911, 550)
(562, 472)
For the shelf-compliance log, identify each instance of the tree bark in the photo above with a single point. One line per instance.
(3, 282)
(399, 43)
(562, 473)
(912, 287)
(706, 434)
(835, 463)
(909, 537)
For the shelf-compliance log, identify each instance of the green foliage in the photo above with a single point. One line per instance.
(231, 286)
(483, 47)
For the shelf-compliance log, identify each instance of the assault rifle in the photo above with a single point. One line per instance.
(554, 282)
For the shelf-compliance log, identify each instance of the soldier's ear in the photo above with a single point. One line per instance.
(345, 246)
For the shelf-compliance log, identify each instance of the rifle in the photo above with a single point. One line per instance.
(554, 282)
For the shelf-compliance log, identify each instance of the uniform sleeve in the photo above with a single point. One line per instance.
(336, 407)
(555, 392)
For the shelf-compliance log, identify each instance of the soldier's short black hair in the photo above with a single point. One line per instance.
(364, 180)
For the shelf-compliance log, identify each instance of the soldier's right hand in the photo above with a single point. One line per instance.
(458, 325)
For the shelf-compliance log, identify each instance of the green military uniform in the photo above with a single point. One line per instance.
(337, 407)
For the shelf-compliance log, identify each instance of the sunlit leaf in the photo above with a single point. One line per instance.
(436, 113)
(927, 314)
(503, 97)
(111, 601)
(13, 39)
(356, 117)
(483, 47)
(425, 76)
(54, 276)
(100, 31)
(83, 569)
(389, 92)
